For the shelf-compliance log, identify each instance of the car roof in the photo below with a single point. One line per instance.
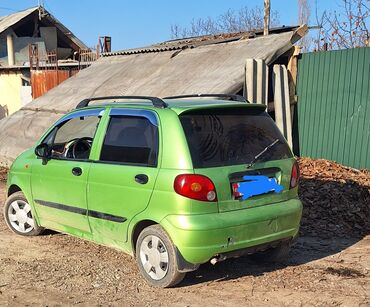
(179, 105)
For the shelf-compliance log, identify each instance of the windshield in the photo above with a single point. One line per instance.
(221, 137)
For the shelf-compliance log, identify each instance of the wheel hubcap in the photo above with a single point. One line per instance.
(154, 257)
(20, 216)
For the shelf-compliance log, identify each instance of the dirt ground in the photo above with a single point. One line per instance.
(56, 269)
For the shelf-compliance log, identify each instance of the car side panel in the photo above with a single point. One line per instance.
(20, 175)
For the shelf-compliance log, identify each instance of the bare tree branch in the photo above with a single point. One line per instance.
(347, 27)
(245, 19)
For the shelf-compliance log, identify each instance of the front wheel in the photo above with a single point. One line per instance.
(18, 216)
(156, 258)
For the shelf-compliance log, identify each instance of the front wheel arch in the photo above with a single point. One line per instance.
(22, 215)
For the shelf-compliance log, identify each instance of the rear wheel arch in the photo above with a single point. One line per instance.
(13, 189)
(156, 257)
(138, 228)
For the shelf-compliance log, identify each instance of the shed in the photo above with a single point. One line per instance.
(30, 40)
(211, 64)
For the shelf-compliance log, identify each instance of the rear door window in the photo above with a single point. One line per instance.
(221, 137)
(130, 140)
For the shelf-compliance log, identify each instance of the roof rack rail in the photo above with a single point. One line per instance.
(231, 97)
(157, 102)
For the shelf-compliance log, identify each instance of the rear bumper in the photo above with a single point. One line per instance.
(201, 237)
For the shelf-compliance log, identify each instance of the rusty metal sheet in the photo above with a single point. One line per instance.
(44, 80)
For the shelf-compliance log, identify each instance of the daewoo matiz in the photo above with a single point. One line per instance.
(175, 182)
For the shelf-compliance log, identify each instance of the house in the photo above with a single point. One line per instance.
(30, 41)
(237, 63)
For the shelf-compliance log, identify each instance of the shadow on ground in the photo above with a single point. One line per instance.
(305, 250)
(335, 217)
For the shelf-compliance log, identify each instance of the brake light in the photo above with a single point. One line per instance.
(195, 187)
(295, 175)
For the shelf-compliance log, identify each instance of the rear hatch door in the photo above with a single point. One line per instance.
(223, 142)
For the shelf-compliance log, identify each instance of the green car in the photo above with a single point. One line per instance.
(174, 182)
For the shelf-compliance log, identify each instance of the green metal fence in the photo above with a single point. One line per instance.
(333, 91)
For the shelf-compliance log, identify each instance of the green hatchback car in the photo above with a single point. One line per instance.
(175, 182)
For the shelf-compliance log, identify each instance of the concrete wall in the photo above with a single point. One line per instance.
(10, 91)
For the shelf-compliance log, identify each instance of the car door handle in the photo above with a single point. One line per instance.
(141, 178)
(77, 171)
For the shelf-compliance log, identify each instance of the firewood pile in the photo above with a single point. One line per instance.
(336, 199)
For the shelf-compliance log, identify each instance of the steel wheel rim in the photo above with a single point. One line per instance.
(154, 257)
(20, 216)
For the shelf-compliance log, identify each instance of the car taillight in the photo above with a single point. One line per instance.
(195, 187)
(295, 175)
(235, 187)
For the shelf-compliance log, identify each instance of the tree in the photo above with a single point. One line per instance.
(347, 27)
(245, 19)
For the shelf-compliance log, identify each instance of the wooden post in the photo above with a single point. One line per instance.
(292, 78)
(266, 18)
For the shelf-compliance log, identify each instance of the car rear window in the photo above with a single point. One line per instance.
(221, 137)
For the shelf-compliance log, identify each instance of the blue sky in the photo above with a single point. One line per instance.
(140, 23)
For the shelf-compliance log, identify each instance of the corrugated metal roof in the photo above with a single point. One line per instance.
(193, 42)
(212, 68)
(12, 19)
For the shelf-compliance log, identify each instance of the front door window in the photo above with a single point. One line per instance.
(73, 138)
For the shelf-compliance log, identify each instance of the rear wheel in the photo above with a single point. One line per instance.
(156, 258)
(279, 254)
(18, 216)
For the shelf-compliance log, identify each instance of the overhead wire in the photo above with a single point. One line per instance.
(8, 9)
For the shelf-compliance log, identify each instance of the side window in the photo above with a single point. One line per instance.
(73, 138)
(130, 140)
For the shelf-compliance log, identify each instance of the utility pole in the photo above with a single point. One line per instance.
(266, 17)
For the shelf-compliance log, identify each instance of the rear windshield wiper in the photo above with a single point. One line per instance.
(267, 148)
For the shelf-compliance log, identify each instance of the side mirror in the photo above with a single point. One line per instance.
(43, 151)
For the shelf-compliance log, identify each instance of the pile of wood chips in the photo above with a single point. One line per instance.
(3, 173)
(336, 199)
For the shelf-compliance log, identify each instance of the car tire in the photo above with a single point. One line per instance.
(18, 216)
(156, 258)
(279, 254)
